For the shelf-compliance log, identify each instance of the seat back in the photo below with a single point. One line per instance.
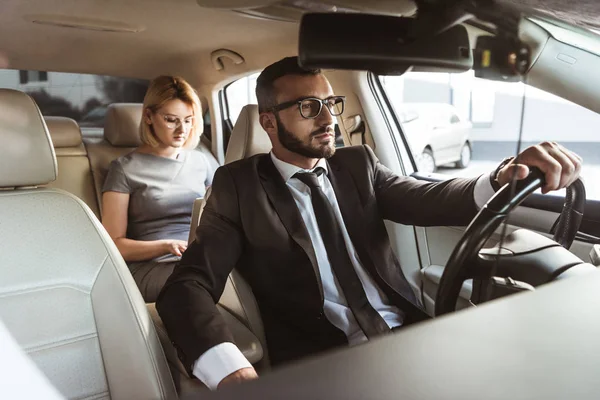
(66, 294)
(74, 172)
(247, 139)
(121, 136)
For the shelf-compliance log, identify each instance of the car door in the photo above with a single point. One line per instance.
(545, 116)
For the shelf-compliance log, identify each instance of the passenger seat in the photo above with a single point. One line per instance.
(66, 295)
(74, 172)
(248, 138)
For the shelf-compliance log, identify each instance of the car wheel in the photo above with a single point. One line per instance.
(465, 156)
(426, 162)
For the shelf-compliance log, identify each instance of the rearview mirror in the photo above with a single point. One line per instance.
(379, 43)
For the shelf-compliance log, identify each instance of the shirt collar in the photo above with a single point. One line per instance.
(288, 170)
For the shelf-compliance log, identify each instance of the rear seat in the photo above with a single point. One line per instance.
(121, 136)
(74, 172)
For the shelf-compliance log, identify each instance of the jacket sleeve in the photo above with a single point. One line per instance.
(187, 303)
(408, 201)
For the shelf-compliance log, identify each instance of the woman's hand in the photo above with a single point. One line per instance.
(175, 247)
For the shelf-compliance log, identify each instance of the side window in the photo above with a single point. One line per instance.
(482, 123)
(239, 94)
(83, 97)
(207, 133)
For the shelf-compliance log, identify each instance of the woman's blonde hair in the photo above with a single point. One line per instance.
(160, 91)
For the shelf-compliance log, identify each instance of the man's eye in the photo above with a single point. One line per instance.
(306, 106)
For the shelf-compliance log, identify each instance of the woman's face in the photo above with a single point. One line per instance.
(172, 123)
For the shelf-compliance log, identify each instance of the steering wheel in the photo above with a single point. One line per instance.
(464, 260)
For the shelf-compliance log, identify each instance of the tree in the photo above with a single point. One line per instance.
(54, 106)
(122, 90)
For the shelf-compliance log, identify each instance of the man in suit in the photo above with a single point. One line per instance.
(304, 226)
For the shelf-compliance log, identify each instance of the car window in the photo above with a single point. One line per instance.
(82, 97)
(207, 132)
(485, 120)
(239, 94)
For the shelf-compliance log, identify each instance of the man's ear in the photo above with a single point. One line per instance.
(267, 121)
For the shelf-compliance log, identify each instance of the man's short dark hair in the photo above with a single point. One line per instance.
(265, 90)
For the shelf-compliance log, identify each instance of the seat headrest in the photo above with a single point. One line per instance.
(122, 124)
(248, 137)
(64, 132)
(26, 155)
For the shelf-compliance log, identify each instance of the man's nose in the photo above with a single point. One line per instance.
(325, 118)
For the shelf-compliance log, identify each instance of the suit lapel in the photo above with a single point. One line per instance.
(353, 213)
(285, 206)
(351, 207)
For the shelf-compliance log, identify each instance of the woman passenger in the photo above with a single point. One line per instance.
(148, 194)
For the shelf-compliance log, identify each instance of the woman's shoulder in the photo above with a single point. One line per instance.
(203, 158)
(196, 157)
(126, 160)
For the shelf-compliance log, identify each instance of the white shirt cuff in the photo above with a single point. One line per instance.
(483, 190)
(218, 362)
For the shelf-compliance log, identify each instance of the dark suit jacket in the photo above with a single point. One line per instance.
(252, 223)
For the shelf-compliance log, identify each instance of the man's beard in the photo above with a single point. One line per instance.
(295, 145)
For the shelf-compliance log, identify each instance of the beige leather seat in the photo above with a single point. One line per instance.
(121, 136)
(247, 139)
(66, 294)
(74, 172)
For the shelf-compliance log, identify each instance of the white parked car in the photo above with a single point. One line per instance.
(436, 135)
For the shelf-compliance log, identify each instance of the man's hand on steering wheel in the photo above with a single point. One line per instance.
(560, 166)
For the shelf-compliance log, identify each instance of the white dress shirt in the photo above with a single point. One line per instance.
(225, 358)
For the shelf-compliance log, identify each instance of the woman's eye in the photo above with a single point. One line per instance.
(171, 120)
(188, 121)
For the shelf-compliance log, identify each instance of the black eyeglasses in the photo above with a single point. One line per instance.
(311, 107)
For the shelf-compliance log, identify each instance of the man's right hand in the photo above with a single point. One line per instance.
(239, 376)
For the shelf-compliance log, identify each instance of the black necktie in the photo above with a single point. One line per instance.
(369, 320)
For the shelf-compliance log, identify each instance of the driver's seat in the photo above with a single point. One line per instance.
(66, 295)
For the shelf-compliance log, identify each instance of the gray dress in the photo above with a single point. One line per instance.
(162, 192)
